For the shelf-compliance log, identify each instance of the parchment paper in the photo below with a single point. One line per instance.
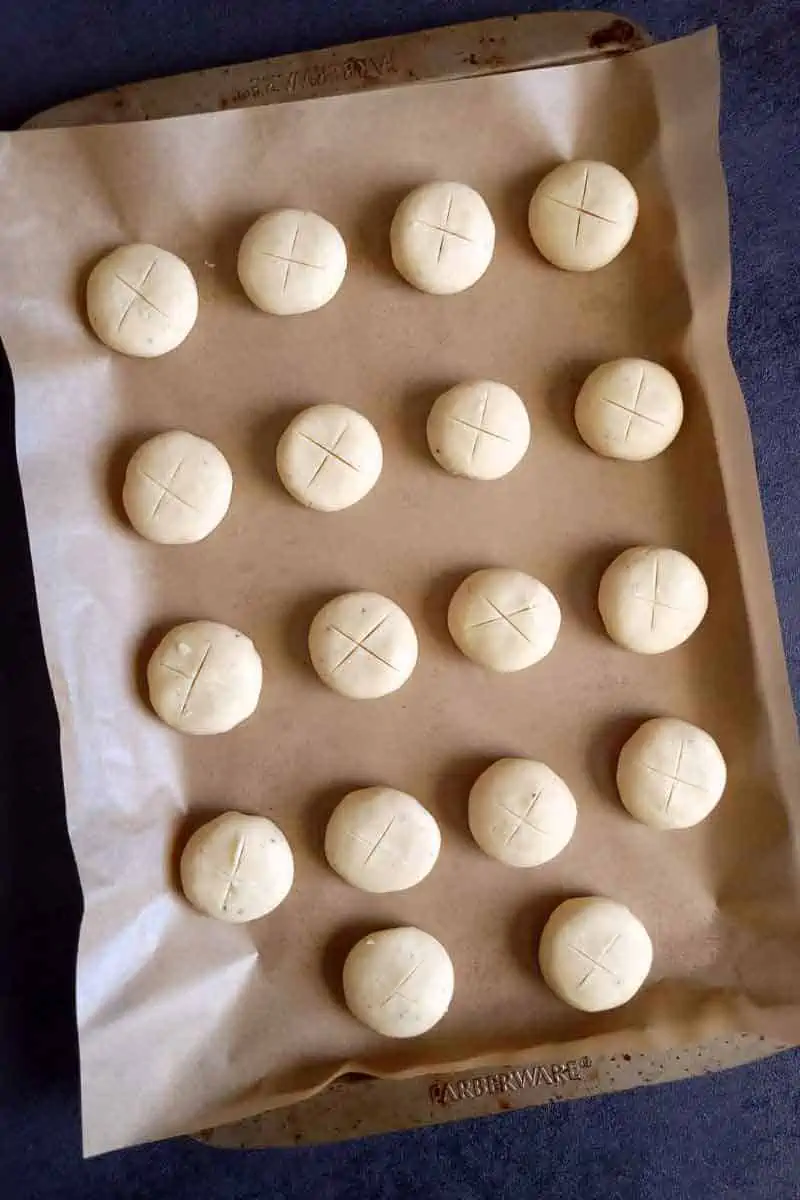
(185, 1022)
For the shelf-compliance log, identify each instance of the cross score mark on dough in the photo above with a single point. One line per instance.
(329, 452)
(372, 846)
(444, 229)
(396, 990)
(633, 412)
(675, 778)
(361, 645)
(291, 261)
(501, 616)
(231, 879)
(165, 489)
(480, 428)
(579, 208)
(597, 963)
(524, 818)
(653, 600)
(138, 294)
(191, 679)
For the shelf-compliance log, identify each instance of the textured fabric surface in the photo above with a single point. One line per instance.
(732, 1135)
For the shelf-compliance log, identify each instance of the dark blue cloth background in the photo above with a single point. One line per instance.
(736, 1134)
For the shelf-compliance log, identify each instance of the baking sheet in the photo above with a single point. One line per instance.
(185, 1023)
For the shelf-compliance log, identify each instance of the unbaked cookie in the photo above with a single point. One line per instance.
(362, 645)
(629, 408)
(582, 215)
(204, 678)
(503, 619)
(442, 238)
(329, 457)
(177, 488)
(382, 840)
(670, 774)
(399, 982)
(237, 868)
(479, 429)
(652, 599)
(594, 953)
(521, 812)
(141, 300)
(291, 262)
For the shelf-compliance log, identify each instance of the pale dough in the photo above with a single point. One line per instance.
(204, 678)
(594, 953)
(362, 645)
(629, 408)
(382, 840)
(670, 774)
(652, 599)
(141, 300)
(177, 488)
(237, 868)
(503, 619)
(442, 238)
(521, 812)
(479, 429)
(582, 215)
(292, 262)
(399, 982)
(329, 457)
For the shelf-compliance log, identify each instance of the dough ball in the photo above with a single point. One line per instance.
(292, 262)
(503, 619)
(594, 953)
(177, 488)
(479, 429)
(329, 457)
(204, 678)
(652, 599)
(382, 840)
(442, 238)
(141, 300)
(582, 215)
(362, 645)
(670, 774)
(630, 408)
(399, 982)
(521, 812)
(237, 868)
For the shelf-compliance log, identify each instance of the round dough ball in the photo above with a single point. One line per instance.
(582, 215)
(594, 953)
(362, 645)
(479, 429)
(442, 238)
(503, 619)
(291, 262)
(329, 457)
(630, 408)
(521, 812)
(399, 982)
(652, 599)
(141, 300)
(670, 774)
(382, 840)
(177, 488)
(237, 868)
(204, 678)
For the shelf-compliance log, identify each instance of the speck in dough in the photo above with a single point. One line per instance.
(594, 953)
(630, 409)
(382, 840)
(521, 812)
(442, 238)
(670, 774)
(399, 982)
(177, 488)
(479, 430)
(503, 619)
(141, 300)
(292, 262)
(329, 457)
(204, 678)
(362, 645)
(582, 215)
(652, 599)
(237, 868)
